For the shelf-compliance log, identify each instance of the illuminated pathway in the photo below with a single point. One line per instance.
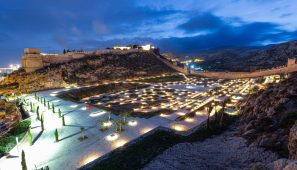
(70, 153)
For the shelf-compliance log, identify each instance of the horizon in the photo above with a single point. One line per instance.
(173, 26)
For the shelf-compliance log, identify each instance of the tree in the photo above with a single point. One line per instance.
(53, 107)
(24, 165)
(63, 120)
(30, 137)
(56, 135)
(44, 102)
(60, 113)
(124, 116)
(48, 105)
(37, 112)
(118, 125)
(42, 122)
(35, 95)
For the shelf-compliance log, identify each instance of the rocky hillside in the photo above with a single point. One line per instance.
(88, 70)
(241, 59)
(269, 118)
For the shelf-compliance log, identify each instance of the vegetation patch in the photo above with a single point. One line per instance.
(8, 141)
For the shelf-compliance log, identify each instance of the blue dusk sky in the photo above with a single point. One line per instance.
(180, 26)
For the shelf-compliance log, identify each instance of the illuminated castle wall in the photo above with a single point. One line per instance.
(33, 60)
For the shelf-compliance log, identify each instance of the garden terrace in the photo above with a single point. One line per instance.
(163, 78)
(80, 93)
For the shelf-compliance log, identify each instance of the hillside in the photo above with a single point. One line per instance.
(269, 118)
(241, 59)
(88, 70)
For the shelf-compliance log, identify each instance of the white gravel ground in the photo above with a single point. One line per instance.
(221, 152)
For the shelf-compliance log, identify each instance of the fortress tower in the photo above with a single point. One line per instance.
(32, 59)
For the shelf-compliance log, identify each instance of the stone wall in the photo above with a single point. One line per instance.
(238, 75)
(291, 67)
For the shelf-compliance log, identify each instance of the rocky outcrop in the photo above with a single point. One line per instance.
(292, 146)
(222, 152)
(87, 70)
(268, 118)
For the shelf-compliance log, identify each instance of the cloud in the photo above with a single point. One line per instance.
(100, 28)
(286, 15)
(202, 22)
(228, 35)
(75, 30)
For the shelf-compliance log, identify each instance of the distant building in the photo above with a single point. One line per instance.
(129, 47)
(121, 48)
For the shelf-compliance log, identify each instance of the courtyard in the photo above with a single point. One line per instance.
(96, 125)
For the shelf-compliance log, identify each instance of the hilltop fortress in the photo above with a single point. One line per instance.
(33, 59)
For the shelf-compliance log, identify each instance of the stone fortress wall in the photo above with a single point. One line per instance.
(33, 60)
(289, 68)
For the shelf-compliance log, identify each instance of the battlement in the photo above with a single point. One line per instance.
(31, 51)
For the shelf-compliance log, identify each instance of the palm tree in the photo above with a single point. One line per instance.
(118, 126)
(124, 116)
